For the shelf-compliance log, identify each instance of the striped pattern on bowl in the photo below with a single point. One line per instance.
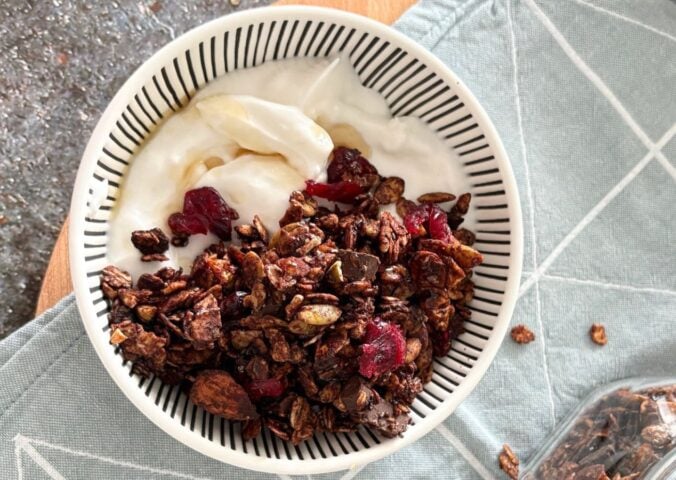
(413, 83)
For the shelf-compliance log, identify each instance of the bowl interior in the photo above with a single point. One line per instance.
(413, 83)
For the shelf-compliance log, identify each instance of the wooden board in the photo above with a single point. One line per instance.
(57, 282)
(386, 11)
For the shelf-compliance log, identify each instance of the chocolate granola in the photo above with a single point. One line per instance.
(522, 334)
(329, 323)
(509, 462)
(597, 332)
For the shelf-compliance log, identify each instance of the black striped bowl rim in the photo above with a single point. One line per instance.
(413, 82)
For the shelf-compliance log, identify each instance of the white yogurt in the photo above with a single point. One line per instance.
(256, 135)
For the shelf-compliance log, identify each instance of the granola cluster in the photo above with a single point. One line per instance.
(509, 462)
(522, 334)
(329, 323)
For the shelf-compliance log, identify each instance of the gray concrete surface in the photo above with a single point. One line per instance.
(61, 61)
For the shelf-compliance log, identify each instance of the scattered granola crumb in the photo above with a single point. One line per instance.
(509, 462)
(521, 334)
(3, 220)
(598, 334)
(234, 3)
(155, 7)
(62, 58)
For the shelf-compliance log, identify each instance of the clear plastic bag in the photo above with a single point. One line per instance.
(623, 431)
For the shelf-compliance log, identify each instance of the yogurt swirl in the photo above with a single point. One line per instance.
(256, 135)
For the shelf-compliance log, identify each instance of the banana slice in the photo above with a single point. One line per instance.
(270, 128)
(255, 185)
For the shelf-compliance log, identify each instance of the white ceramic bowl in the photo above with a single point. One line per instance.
(413, 82)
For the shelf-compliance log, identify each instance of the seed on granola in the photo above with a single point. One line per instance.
(389, 190)
(335, 272)
(462, 205)
(252, 269)
(464, 236)
(404, 206)
(299, 327)
(260, 229)
(319, 314)
(413, 347)
(466, 257)
(436, 197)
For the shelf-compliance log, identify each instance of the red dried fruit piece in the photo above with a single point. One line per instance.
(203, 209)
(207, 201)
(428, 218)
(384, 349)
(348, 164)
(336, 192)
(438, 224)
(181, 224)
(258, 389)
(415, 220)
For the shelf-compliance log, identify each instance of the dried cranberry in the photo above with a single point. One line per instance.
(207, 201)
(349, 165)
(336, 192)
(415, 220)
(438, 224)
(203, 209)
(182, 224)
(258, 389)
(428, 218)
(384, 349)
